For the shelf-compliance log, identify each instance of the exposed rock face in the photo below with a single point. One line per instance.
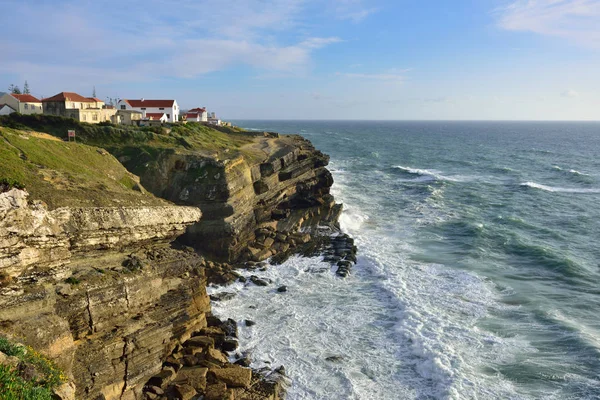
(110, 327)
(246, 202)
(32, 235)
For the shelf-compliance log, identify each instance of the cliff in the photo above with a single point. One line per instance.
(90, 275)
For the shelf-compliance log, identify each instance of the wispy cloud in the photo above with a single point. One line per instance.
(354, 10)
(575, 20)
(570, 93)
(144, 39)
(394, 75)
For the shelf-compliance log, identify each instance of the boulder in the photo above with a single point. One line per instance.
(215, 356)
(218, 391)
(234, 376)
(194, 376)
(162, 379)
(282, 289)
(184, 392)
(257, 281)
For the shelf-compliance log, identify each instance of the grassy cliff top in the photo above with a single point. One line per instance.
(67, 174)
(221, 142)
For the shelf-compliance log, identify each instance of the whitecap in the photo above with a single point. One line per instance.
(558, 189)
(426, 175)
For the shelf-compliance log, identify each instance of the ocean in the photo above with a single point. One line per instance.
(478, 274)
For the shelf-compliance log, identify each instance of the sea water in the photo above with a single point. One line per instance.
(478, 274)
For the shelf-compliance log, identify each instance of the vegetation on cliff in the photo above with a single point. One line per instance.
(66, 174)
(192, 137)
(25, 374)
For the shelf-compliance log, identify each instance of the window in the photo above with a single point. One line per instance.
(84, 117)
(162, 108)
(26, 106)
(143, 108)
(168, 115)
(95, 117)
(123, 107)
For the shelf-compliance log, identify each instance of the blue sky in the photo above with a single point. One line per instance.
(310, 59)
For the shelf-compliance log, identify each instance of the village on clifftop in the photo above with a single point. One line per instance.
(141, 112)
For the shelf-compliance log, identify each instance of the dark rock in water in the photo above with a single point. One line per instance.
(230, 328)
(243, 279)
(229, 345)
(282, 289)
(336, 359)
(344, 264)
(222, 296)
(244, 362)
(280, 370)
(249, 322)
(211, 320)
(343, 272)
(257, 281)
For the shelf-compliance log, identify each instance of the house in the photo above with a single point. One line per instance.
(22, 103)
(197, 115)
(129, 117)
(212, 119)
(5, 109)
(169, 107)
(80, 108)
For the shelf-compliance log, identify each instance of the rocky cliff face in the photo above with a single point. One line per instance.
(253, 206)
(99, 290)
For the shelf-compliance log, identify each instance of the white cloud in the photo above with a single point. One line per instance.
(570, 93)
(390, 75)
(575, 20)
(143, 39)
(354, 10)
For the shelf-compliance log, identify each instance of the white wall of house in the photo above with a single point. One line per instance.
(22, 107)
(172, 112)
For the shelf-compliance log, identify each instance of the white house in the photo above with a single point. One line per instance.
(197, 115)
(168, 107)
(22, 103)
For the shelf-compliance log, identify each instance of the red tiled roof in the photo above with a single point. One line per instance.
(192, 115)
(69, 96)
(197, 110)
(97, 100)
(25, 98)
(150, 103)
(155, 115)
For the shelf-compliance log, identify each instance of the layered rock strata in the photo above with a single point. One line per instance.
(248, 200)
(100, 291)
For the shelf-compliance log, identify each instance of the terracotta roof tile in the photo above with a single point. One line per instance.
(155, 115)
(26, 98)
(69, 96)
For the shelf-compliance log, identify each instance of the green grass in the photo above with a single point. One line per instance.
(13, 386)
(191, 137)
(66, 173)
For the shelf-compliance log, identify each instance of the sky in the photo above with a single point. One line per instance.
(312, 59)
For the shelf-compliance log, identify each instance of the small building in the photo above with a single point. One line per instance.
(197, 115)
(5, 109)
(169, 107)
(129, 117)
(80, 108)
(22, 103)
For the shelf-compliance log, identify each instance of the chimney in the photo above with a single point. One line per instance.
(143, 113)
(142, 99)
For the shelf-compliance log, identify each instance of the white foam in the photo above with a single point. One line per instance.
(427, 175)
(558, 189)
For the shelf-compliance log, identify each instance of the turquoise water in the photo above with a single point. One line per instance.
(479, 267)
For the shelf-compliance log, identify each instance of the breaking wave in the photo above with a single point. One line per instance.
(558, 189)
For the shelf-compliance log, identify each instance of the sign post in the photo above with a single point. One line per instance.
(71, 134)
